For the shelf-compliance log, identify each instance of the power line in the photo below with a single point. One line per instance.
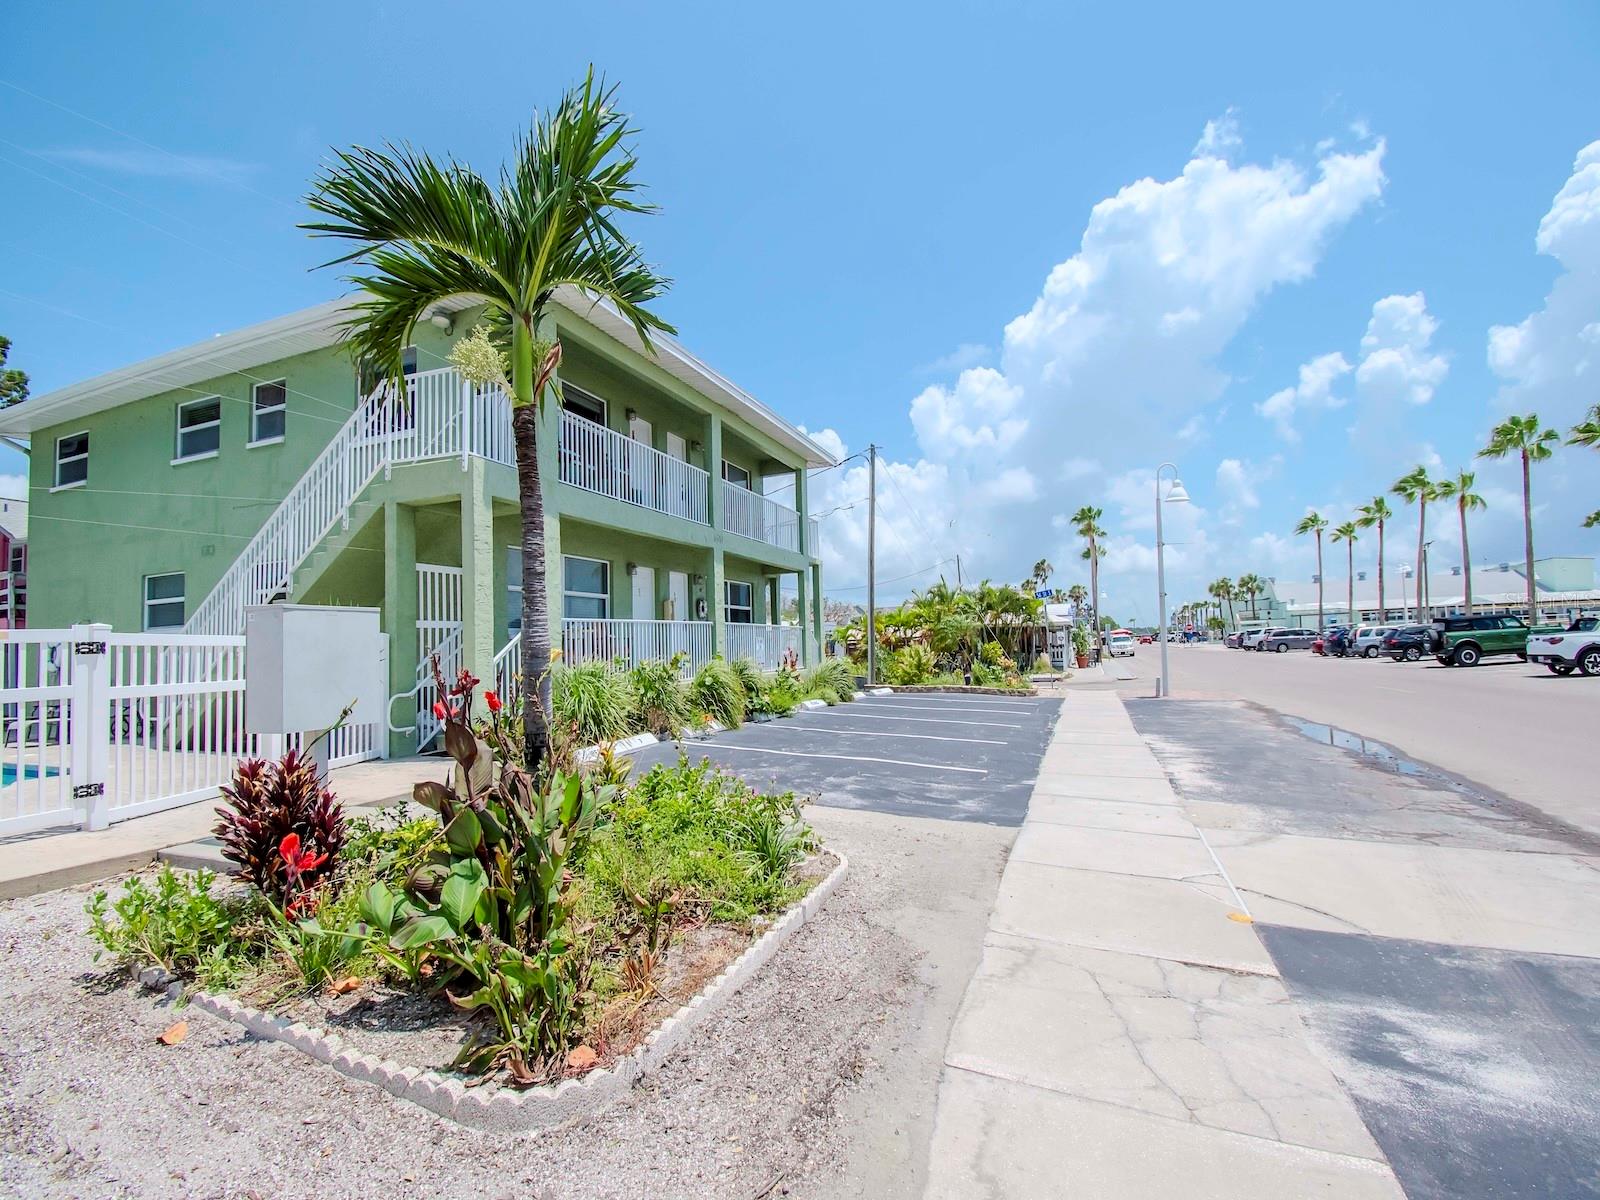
(855, 587)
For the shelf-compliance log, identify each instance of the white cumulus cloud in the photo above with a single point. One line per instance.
(1397, 364)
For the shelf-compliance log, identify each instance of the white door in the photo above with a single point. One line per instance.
(642, 472)
(677, 483)
(644, 593)
(678, 593)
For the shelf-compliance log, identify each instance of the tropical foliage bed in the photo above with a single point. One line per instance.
(543, 920)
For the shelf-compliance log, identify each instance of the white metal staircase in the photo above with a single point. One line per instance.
(442, 417)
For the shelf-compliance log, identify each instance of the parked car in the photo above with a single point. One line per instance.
(1336, 642)
(1467, 641)
(1368, 641)
(1249, 638)
(1146, 639)
(1120, 645)
(1281, 640)
(1575, 647)
(1408, 643)
(1232, 640)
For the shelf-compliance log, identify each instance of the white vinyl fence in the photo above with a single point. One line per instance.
(100, 726)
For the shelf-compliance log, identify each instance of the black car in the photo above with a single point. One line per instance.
(1336, 642)
(1408, 643)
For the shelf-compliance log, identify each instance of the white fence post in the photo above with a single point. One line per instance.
(89, 722)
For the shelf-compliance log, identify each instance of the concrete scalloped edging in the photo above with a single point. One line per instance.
(509, 1110)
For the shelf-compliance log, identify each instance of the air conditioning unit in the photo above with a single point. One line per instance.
(1361, 576)
(1455, 570)
(1316, 579)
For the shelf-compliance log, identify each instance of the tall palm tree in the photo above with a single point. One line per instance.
(1376, 514)
(1587, 433)
(1460, 490)
(1222, 589)
(1347, 534)
(1523, 437)
(1314, 522)
(426, 232)
(1414, 487)
(1042, 570)
(1251, 585)
(1087, 522)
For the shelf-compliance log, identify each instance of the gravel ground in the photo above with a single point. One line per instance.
(817, 1079)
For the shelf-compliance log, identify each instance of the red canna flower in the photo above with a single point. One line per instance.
(493, 701)
(439, 710)
(297, 860)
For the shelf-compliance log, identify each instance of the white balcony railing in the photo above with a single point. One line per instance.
(765, 644)
(634, 642)
(602, 460)
(755, 516)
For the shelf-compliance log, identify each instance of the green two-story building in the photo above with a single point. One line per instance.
(262, 465)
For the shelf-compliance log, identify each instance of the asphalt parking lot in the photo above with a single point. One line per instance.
(1437, 938)
(954, 757)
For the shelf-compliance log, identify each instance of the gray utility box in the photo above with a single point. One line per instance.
(305, 662)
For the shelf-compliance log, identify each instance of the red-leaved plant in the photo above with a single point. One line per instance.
(283, 831)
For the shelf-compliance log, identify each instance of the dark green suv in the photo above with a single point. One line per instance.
(1467, 641)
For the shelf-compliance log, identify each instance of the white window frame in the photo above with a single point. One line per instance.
(60, 462)
(181, 600)
(256, 411)
(178, 456)
(729, 607)
(567, 589)
(732, 466)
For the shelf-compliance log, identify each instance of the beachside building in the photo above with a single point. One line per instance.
(265, 465)
(13, 562)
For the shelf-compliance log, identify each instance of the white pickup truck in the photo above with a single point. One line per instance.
(1576, 647)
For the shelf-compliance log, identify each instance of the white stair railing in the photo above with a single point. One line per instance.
(443, 416)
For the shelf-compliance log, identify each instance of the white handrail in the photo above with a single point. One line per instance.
(585, 639)
(756, 516)
(442, 417)
(763, 644)
(602, 460)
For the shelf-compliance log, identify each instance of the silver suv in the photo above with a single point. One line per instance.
(1281, 640)
(1368, 640)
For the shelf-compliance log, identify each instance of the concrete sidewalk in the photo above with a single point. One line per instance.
(1126, 1034)
(45, 861)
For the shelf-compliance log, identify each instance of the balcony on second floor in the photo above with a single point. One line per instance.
(613, 464)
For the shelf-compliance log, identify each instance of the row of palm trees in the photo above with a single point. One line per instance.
(1518, 436)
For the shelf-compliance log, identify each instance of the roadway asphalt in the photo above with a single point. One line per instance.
(952, 757)
(1438, 939)
(1508, 726)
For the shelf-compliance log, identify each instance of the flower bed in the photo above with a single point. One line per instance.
(545, 927)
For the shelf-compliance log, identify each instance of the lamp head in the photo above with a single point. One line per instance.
(1176, 493)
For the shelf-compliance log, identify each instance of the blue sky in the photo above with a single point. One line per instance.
(860, 202)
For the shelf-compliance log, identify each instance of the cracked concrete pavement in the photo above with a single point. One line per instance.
(1126, 1033)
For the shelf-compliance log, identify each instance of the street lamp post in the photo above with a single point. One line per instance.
(1405, 604)
(1175, 495)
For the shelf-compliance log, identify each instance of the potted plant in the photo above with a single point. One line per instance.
(1080, 645)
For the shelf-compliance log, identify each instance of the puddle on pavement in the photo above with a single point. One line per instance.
(1374, 752)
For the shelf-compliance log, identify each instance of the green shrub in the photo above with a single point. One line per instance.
(748, 673)
(723, 847)
(177, 924)
(912, 665)
(660, 696)
(990, 654)
(832, 677)
(717, 692)
(596, 698)
(1042, 665)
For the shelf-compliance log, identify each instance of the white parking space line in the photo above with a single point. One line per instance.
(925, 737)
(893, 762)
(1014, 712)
(817, 712)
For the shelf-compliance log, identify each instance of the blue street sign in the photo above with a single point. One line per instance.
(1043, 593)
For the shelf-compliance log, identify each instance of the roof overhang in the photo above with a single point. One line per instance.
(320, 326)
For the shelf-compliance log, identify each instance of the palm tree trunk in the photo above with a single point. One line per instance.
(1527, 531)
(1321, 624)
(1094, 589)
(535, 600)
(1466, 556)
(1350, 581)
(1382, 611)
(1422, 550)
